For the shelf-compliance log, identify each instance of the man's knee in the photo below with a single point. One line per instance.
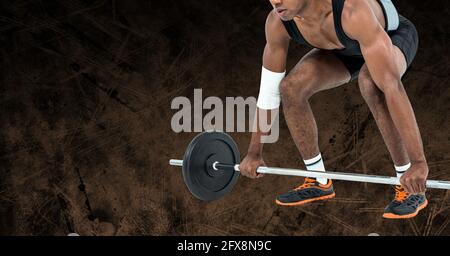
(369, 90)
(296, 90)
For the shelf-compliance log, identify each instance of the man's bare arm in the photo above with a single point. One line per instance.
(277, 44)
(274, 63)
(361, 24)
(274, 59)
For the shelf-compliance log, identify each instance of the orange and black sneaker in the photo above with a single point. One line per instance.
(311, 190)
(404, 205)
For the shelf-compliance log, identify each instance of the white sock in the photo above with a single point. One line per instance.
(400, 170)
(316, 164)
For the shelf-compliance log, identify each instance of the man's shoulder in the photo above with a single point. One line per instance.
(354, 9)
(275, 28)
(357, 18)
(273, 20)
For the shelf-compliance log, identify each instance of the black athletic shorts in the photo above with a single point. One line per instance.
(405, 37)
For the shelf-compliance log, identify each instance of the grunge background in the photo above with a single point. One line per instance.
(85, 138)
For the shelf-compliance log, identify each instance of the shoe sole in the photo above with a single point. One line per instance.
(407, 216)
(306, 201)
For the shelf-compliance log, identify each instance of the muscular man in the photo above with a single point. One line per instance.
(351, 39)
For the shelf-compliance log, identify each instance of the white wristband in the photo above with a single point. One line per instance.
(402, 168)
(269, 90)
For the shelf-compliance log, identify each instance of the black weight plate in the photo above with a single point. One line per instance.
(202, 181)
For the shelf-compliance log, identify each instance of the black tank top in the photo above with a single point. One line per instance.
(351, 46)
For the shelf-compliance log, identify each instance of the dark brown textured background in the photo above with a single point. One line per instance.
(85, 132)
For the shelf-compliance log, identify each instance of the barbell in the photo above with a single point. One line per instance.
(211, 168)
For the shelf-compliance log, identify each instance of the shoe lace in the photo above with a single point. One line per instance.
(308, 183)
(400, 193)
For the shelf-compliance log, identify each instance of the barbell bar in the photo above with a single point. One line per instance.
(439, 184)
(213, 157)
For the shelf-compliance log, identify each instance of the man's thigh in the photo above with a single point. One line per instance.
(319, 69)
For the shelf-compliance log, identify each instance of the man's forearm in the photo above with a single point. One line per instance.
(262, 129)
(404, 119)
(255, 148)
